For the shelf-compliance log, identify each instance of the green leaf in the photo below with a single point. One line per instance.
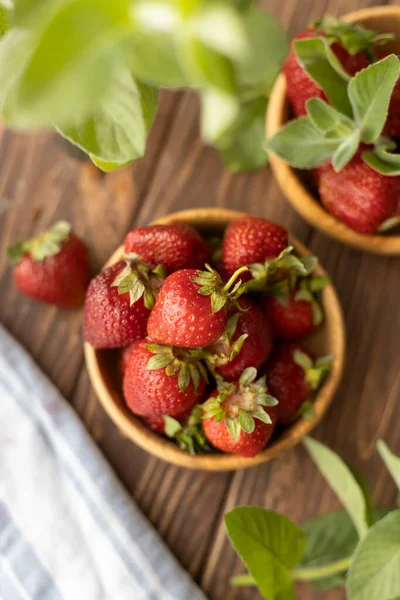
(379, 164)
(3, 21)
(391, 461)
(242, 147)
(374, 573)
(233, 426)
(302, 145)
(219, 112)
(159, 361)
(321, 64)
(172, 426)
(369, 92)
(327, 119)
(352, 36)
(184, 377)
(302, 360)
(268, 47)
(248, 376)
(107, 166)
(342, 481)
(246, 421)
(70, 66)
(346, 151)
(330, 538)
(116, 132)
(270, 546)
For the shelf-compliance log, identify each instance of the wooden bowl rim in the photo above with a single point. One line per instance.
(294, 189)
(160, 447)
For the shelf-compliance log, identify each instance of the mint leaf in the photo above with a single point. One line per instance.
(219, 113)
(342, 481)
(321, 64)
(391, 461)
(116, 133)
(352, 36)
(346, 151)
(327, 119)
(242, 146)
(369, 92)
(219, 27)
(382, 164)
(270, 546)
(375, 570)
(331, 538)
(302, 145)
(70, 66)
(268, 48)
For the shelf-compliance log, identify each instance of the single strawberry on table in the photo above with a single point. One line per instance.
(52, 267)
(246, 342)
(250, 240)
(118, 303)
(293, 375)
(161, 380)
(175, 247)
(191, 307)
(294, 312)
(240, 417)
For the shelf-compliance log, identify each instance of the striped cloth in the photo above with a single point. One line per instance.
(68, 530)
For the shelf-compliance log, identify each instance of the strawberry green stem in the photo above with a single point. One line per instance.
(302, 573)
(234, 277)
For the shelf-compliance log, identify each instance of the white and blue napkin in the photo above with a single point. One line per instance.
(68, 529)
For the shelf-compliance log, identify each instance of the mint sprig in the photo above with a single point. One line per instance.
(359, 549)
(358, 114)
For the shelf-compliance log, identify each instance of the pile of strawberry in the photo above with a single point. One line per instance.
(344, 88)
(210, 355)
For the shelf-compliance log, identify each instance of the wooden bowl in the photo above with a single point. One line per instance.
(380, 18)
(329, 339)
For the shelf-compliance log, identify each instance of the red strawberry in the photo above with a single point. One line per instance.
(300, 87)
(240, 417)
(250, 240)
(161, 380)
(190, 310)
(292, 377)
(174, 247)
(52, 267)
(246, 342)
(118, 303)
(358, 195)
(124, 357)
(296, 313)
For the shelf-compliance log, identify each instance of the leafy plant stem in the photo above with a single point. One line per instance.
(301, 573)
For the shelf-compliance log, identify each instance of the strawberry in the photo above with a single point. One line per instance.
(358, 195)
(292, 377)
(246, 342)
(295, 313)
(53, 267)
(250, 240)
(190, 310)
(161, 380)
(174, 247)
(124, 357)
(353, 45)
(240, 417)
(118, 303)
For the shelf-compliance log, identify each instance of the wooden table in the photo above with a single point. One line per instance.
(39, 184)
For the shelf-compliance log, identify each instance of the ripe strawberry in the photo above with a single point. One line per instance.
(293, 377)
(240, 417)
(53, 267)
(358, 195)
(246, 342)
(174, 247)
(295, 313)
(118, 303)
(250, 240)
(190, 310)
(300, 87)
(124, 357)
(161, 380)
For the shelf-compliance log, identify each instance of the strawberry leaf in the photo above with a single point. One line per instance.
(261, 415)
(369, 92)
(183, 377)
(321, 64)
(159, 361)
(353, 37)
(248, 376)
(233, 426)
(246, 421)
(172, 426)
(302, 145)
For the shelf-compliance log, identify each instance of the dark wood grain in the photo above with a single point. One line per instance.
(39, 184)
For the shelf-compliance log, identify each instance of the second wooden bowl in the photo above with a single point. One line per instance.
(383, 19)
(329, 339)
